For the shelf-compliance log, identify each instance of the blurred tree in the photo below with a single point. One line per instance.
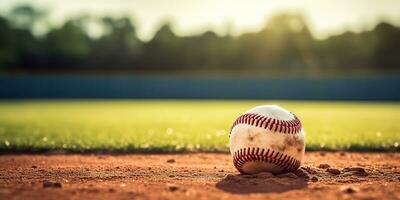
(7, 51)
(119, 45)
(163, 51)
(26, 17)
(18, 46)
(287, 41)
(345, 51)
(387, 49)
(207, 51)
(68, 45)
(209, 45)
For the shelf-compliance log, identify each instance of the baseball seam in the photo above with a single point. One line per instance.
(241, 156)
(282, 126)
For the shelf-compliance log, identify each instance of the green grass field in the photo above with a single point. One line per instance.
(168, 126)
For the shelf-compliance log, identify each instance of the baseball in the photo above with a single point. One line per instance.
(267, 138)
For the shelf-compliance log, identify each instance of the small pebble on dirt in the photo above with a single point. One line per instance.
(354, 169)
(333, 171)
(171, 175)
(309, 170)
(361, 173)
(324, 166)
(49, 184)
(349, 189)
(314, 179)
(172, 187)
(171, 160)
(358, 171)
(111, 190)
(301, 173)
(34, 166)
(221, 170)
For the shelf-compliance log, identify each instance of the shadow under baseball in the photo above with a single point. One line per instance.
(261, 183)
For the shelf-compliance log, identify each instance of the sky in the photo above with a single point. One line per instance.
(325, 17)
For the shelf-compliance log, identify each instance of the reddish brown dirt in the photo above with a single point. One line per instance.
(195, 176)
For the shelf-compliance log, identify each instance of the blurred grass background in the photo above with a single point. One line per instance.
(182, 125)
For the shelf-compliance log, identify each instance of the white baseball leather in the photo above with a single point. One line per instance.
(267, 138)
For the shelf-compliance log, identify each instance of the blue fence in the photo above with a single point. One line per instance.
(383, 88)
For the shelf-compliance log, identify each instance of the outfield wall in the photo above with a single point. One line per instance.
(382, 88)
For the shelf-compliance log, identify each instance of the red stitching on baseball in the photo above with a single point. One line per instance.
(241, 156)
(282, 126)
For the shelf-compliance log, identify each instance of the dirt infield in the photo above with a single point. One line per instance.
(196, 176)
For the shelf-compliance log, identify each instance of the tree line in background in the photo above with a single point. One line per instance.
(284, 43)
